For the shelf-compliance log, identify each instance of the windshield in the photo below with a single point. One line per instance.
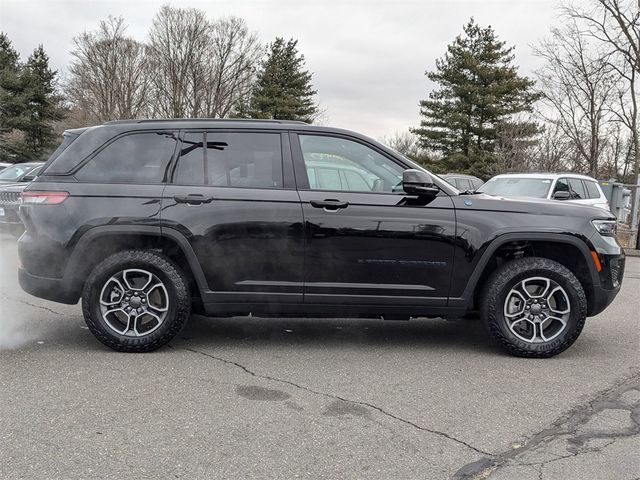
(517, 187)
(15, 173)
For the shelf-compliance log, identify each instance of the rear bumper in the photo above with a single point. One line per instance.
(54, 289)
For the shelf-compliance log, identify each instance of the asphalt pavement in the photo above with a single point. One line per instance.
(314, 398)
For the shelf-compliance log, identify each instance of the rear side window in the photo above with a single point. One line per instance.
(249, 160)
(134, 158)
(592, 189)
(464, 184)
(577, 189)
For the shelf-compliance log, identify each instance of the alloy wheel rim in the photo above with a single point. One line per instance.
(134, 302)
(537, 309)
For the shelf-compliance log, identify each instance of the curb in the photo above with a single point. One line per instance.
(630, 252)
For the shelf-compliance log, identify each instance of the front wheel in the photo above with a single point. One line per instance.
(136, 301)
(534, 307)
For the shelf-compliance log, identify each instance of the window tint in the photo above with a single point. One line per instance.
(252, 160)
(135, 158)
(577, 189)
(562, 185)
(329, 179)
(464, 184)
(592, 189)
(190, 168)
(357, 182)
(341, 164)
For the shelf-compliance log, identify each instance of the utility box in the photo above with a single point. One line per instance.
(619, 199)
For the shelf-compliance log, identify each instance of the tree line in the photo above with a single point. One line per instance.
(189, 67)
(578, 112)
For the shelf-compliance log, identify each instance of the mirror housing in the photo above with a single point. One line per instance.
(417, 182)
(561, 195)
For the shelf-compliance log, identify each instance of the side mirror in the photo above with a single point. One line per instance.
(561, 195)
(417, 182)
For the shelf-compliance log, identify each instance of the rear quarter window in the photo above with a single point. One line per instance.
(132, 158)
(592, 189)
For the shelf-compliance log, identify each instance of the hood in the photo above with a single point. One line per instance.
(13, 187)
(534, 206)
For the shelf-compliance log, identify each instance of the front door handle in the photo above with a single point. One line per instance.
(193, 199)
(329, 204)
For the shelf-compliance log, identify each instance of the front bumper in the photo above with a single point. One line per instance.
(10, 216)
(54, 289)
(611, 276)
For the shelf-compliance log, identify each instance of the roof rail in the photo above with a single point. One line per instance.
(248, 120)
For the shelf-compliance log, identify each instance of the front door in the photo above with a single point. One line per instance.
(233, 198)
(368, 243)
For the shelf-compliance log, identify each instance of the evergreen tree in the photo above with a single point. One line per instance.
(479, 90)
(283, 88)
(11, 98)
(29, 104)
(43, 106)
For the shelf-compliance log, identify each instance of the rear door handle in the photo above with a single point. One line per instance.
(329, 204)
(193, 199)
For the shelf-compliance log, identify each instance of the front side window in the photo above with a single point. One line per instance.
(577, 189)
(134, 158)
(334, 163)
(244, 160)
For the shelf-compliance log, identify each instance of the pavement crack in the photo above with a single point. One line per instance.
(24, 302)
(569, 426)
(343, 399)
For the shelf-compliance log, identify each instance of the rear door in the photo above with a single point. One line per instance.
(232, 195)
(368, 243)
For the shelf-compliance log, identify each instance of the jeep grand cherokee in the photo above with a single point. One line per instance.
(149, 220)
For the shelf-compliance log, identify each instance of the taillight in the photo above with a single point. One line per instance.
(43, 198)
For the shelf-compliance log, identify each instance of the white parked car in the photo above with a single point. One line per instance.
(559, 186)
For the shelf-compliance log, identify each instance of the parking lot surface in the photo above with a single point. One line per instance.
(314, 398)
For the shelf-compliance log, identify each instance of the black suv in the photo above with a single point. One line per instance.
(149, 220)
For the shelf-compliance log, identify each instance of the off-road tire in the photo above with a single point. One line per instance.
(167, 271)
(498, 286)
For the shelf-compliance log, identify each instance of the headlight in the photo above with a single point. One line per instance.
(606, 228)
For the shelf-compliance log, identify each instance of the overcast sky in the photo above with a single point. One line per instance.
(368, 56)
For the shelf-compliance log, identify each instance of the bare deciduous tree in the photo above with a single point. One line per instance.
(615, 24)
(578, 84)
(404, 142)
(236, 54)
(554, 151)
(108, 76)
(200, 68)
(178, 54)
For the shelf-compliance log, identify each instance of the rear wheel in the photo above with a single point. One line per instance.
(534, 307)
(136, 301)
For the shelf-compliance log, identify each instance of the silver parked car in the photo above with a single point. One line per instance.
(557, 186)
(464, 183)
